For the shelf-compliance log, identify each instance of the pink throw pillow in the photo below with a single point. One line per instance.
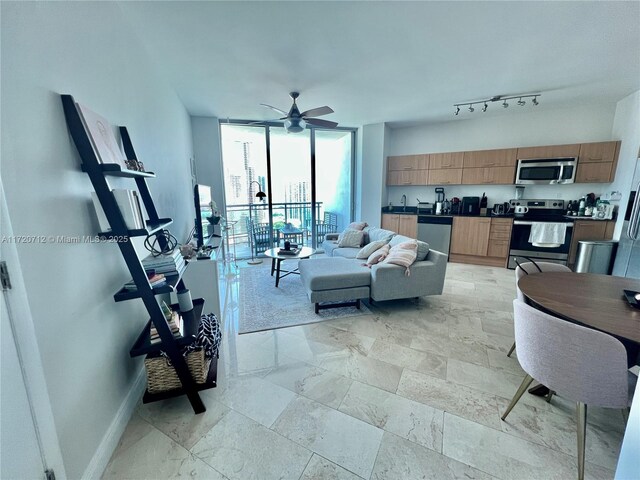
(378, 256)
(358, 225)
(403, 254)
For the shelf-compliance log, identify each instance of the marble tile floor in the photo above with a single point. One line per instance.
(413, 390)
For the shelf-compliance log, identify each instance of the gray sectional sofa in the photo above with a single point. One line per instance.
(339, 276)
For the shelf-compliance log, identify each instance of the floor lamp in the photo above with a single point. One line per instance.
(261, 196)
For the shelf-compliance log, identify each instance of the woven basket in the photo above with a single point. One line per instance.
(162, 376)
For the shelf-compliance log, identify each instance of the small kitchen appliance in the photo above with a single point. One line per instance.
(501, 209)
(555, 171)
(470, 206)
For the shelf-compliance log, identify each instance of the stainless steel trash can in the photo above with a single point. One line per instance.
(595, 256)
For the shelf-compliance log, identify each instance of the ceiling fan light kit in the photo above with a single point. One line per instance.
(295, 122)
(498, 98)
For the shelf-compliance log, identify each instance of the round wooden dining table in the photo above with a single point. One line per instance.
(593, 300)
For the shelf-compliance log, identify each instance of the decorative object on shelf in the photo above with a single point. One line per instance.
(184, 300)
(158, 247)
(103, 140)
(134, 165)
(498, 98)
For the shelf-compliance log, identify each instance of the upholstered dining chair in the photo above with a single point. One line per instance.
(583, 365)
(527, 268)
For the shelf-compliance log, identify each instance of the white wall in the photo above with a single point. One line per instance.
(626, 127)
(531, 127)
(88, 50)
(208, 156)
(371, 182)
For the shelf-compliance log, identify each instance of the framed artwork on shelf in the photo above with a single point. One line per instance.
(102, 137)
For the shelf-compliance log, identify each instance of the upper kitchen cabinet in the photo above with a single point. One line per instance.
(445, 176)
(446, 160)
(407, 177)
(550, 151)
(597, 162)
(505, 157)
(489, 176)
(408, 162)
(599, 152)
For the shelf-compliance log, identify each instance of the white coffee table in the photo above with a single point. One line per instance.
(277, 259)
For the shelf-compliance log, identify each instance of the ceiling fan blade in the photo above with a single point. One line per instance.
(317, 112)
(316, 122)
(274, 108)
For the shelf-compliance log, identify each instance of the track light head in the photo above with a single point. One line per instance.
(521, 102)
(535, 101)
(471, 109)
(457, 110)
(505, 104)
(484, 109)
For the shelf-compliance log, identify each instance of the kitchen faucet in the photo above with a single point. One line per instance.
(404, 203)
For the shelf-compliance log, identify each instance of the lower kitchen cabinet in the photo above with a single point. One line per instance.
(480, 240)
(404, 224)
(589, 230)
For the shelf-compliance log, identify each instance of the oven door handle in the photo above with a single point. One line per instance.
(522, 222)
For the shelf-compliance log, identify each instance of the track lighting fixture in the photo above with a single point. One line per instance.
(498, 98)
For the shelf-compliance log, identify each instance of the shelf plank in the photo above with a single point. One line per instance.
(212, 381)
(152, 227)
(191, 320)
(115, 170)
(169, 287)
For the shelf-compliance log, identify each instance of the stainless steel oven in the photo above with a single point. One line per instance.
(539, 211)
(547, 171)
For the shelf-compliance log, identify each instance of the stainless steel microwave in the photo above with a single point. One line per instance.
(550, 171)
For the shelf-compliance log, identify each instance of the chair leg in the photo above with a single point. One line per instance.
(550, 395)
(521, 389)
(581, 413)
(513, 347)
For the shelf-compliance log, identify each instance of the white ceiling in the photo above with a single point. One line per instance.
(397, 62)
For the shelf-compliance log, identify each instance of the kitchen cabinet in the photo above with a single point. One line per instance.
(598, 152)
(407, 177)
(549, 151)
(505, 157)
(446, 160)
(589, 230)
(445, 176)
(597, 162)
(489, 176)
(480, 240)
(404, 224)
(470, 236)
(408, 162)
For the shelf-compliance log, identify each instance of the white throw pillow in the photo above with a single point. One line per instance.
(357, 225)
(403, 254)
(350, 238)
(378, 256)
(368, 249)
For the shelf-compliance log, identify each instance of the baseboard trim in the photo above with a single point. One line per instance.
(109, 442)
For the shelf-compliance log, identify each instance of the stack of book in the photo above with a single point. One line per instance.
(168, 265)
(175, 324)
(130, 207)
(292, 251)
(155, 279)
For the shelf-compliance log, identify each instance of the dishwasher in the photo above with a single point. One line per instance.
(436, 231)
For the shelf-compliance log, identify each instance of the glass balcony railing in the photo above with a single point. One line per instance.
(291, 221)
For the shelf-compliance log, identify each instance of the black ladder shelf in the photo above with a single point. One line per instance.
(172, 346)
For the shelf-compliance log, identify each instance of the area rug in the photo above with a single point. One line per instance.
(265, 307)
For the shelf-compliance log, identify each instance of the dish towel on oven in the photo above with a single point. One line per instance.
(547, 235)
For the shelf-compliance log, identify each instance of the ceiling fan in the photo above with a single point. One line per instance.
(294, 121)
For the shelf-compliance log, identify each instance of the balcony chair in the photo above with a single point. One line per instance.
(260, 236)
(328, 225)
(582, 364)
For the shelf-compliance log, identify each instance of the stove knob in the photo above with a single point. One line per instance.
(555, 204)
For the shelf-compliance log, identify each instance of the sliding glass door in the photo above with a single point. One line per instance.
(299, 207)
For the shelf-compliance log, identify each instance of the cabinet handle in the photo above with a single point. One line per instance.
(590, 179)
(447, 165)
(408, 168)
(490, 181)
(490, 164)
(595, 158)
(407, 183)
